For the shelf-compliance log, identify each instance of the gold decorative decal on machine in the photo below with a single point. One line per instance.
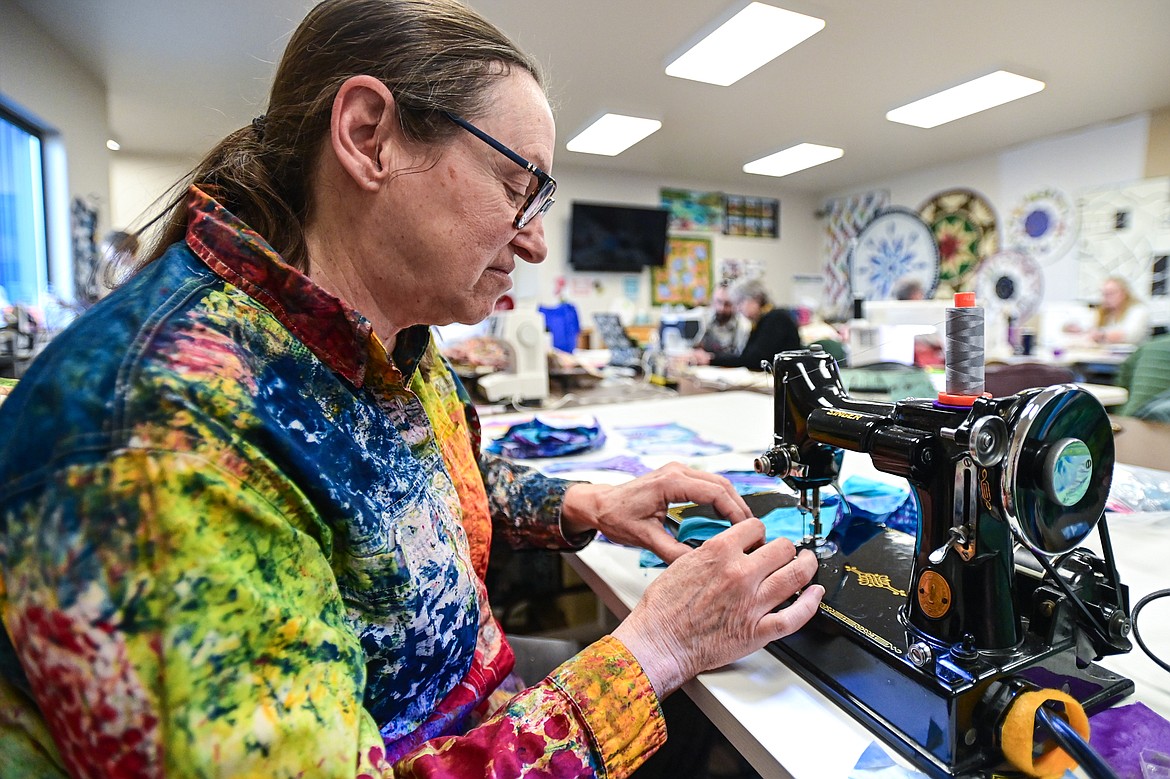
(985, 489)
(836, 412)
(934, 595)
(862, 629)
(878, 580)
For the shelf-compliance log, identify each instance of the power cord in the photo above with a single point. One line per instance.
(1153, 596)
(1070, 740)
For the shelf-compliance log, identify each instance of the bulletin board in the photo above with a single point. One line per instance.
(686, 278)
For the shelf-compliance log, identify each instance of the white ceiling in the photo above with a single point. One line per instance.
(183, 73)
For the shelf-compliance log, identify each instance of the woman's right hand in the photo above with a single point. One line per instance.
(716, 604)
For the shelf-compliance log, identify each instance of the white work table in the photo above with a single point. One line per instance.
(783, 726)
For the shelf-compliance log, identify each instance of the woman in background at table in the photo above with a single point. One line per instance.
(244, 513)
(1121, 318)
(773, 330)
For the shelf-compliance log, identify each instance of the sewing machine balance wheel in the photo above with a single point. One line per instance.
(1058, 469)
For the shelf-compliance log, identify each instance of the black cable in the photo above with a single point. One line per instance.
(1133, 618)
(1068, 738)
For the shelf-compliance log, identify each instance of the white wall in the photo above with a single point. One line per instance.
(43, 79)
(136, 184)
(796, 251)
(1102, 155)
(137, 181)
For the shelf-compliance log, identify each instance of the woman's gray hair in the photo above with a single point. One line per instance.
(749, 288)
(434, 56)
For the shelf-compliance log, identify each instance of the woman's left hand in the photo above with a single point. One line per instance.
(634, 513)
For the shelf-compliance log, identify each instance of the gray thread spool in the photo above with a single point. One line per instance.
(964, 351)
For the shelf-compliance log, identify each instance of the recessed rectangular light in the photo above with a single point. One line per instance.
(612, 134)
(749, 40)
(970, 98)
(792, 159)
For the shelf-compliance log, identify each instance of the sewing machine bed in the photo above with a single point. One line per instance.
(856, 649)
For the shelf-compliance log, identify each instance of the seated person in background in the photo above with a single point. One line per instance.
(911, 289)
(773, 330)
(1121, 318)
(725, 332)
(246, 517)
(813, 328)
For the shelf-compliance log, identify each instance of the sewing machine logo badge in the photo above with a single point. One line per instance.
(879, 581)
(934, 594)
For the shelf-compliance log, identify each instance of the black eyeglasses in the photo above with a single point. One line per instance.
(540, 199)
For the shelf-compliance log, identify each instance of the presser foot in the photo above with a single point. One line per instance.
(822, 547)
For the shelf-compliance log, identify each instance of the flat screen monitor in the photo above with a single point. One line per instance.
(617, 238)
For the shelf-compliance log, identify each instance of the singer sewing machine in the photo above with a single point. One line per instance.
(932, 640)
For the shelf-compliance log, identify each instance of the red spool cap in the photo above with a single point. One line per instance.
(964, 300)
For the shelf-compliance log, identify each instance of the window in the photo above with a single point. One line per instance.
(23, 253)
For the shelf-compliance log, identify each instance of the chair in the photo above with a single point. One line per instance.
(1002, 380)
(833, 347)
(538, 656)
(1145, 374)
(888, 380)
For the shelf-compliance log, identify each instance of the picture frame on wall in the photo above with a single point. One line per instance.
(692, 211)
(687, 276)
(752, 217)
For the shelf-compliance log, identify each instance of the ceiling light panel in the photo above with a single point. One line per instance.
(970, 98)
(612, 134)
(792, 159)
(749, 40)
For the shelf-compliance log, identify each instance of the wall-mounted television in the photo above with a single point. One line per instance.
(618, 238)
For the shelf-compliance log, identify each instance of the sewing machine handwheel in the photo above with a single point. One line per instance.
(1058, 468)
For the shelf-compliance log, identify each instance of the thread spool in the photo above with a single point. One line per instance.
(964, 352)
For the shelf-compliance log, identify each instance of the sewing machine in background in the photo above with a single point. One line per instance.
(952, 644)
(528, 344)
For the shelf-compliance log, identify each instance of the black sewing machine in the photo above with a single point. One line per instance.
(930, 640)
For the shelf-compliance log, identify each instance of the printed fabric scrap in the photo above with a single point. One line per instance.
(542, 437)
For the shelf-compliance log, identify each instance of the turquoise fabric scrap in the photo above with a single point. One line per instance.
(868, 500)
(891, 505)
(788, 522)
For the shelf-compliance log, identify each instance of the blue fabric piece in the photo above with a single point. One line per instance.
(868, 502)
(749, 482)
(621, 464)
(564, 326)
(669, 438)
(789, 522)
(872, 499)
(874, 763)
(891, 505)
(537, 438)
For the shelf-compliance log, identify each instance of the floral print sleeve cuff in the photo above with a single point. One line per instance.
(623, 713)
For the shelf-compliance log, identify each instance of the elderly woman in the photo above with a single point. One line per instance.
(1120, 319)
(244, 514)
(773, 330)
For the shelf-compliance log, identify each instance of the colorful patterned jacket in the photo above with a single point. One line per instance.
(238, 538)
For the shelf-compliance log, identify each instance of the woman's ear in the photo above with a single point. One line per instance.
(361, 130)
